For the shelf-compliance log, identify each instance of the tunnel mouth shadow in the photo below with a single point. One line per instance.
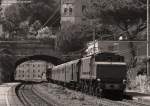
(51, 59)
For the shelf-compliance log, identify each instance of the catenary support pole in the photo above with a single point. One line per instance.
(147, 36)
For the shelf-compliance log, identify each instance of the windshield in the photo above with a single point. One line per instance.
(111, 71)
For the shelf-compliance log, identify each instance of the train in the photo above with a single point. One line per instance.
(102, 73)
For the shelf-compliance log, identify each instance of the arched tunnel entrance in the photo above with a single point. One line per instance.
(33, 68)
(10, 59)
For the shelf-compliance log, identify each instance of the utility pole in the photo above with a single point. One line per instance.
(94, 37)
(93, 55)
(148, 37)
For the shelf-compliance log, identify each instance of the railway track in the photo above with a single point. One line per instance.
(108, 102)
(29, 98)
(124, 102)
(136, 103)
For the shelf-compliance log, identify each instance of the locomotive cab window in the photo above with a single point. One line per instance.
(109, 59)
(111, 70)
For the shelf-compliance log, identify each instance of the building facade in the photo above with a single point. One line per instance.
(32, 71)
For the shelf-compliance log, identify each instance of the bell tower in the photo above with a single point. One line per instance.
(72, 11)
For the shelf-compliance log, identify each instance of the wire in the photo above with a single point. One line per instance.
(51, 16)
(9, 2)
(55, 21)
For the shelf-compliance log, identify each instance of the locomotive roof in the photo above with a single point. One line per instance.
(98, 57)
(65, 64)
(86, 57)
(113, 63)
(74, 61)
(107, 54)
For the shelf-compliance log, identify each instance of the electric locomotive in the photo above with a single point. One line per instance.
(103, 72)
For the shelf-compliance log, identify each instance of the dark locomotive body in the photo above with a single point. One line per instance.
(102, 72)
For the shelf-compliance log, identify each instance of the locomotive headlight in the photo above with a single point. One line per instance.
(124, 81)
(98, 80)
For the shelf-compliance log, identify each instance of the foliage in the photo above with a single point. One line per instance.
(119, 15)
(41, 10)
(123, 18)
(73, 38)
(11, 20)
(19, 17)
(44, 33)
(139, 69)
(24, 29)
(34, 28)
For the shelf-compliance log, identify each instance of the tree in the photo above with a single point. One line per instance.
(12, 19)
(24, 29)
(119, 15)
(44, 33)
(73, 38)
(125, 18)
(34, 28)
(19, 13)
(40, 10)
